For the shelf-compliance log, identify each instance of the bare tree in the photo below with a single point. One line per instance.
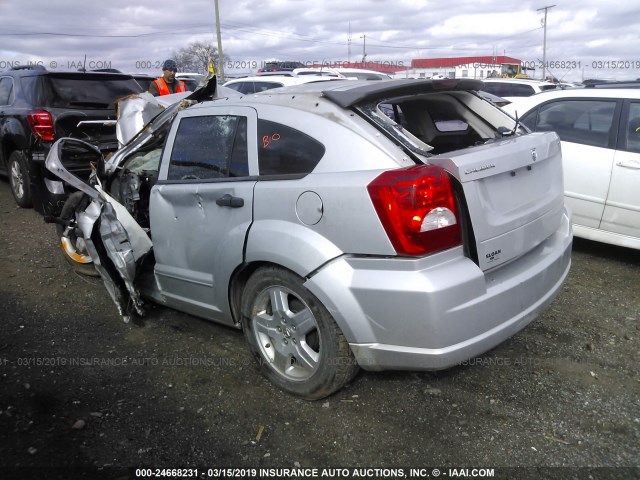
(195, 57)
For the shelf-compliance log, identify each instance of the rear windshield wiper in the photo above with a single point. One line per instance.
(505, 132)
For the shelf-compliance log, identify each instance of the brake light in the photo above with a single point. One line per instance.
(41, 123)
(417, 208)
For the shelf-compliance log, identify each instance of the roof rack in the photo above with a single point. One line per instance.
(28, 67)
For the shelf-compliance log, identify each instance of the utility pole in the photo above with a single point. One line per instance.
(220, 56)
(349, 45)
(364, 49)
(544, 44)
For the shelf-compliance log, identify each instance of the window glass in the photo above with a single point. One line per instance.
(633, 128)
(529, 120)
(78, 91)
(262, 86)
(6, 88)
(579, 121)
(236, 86)
(283, 150)
(492, 88)
(209, 147)
(517, 90)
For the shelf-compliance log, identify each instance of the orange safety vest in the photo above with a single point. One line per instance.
(163, 88)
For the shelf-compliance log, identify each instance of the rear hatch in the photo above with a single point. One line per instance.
(514, 193)
(511, 180)
(83, 105)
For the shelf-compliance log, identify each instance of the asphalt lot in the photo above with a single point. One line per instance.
(81, 390)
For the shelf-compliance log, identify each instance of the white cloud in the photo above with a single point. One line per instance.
(126, 33)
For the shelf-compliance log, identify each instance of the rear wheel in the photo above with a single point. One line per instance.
(74, 249)
(19, 179)
(295, 340)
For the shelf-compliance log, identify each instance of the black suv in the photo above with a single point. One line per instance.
(36, 108)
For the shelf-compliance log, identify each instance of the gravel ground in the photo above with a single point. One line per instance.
(84, 392)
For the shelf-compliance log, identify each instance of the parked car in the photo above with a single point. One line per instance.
(512, 88)
(143, 80)
(332, 235)
(600, 133)
(36, 108)
(362, 74)
(249, 85)
(191, 80)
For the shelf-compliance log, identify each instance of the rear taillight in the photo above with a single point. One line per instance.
(41, 123)
(417, 208)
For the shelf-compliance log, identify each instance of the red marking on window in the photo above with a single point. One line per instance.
(266, 139)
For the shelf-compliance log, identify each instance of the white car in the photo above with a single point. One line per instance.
(514, 88)
(600, 133)
(249, 85)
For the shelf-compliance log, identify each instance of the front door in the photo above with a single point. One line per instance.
(201, 207)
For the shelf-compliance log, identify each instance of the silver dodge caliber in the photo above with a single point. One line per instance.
(405, 224)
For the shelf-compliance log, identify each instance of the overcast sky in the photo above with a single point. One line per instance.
(136, 36)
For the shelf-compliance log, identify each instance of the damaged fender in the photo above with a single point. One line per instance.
(122, 242)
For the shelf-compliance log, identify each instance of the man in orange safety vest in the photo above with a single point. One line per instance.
(167, 83)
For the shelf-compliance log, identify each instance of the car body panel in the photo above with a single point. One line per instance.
(435, 312)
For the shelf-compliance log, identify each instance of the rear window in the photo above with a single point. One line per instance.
(77, 91)
(508, 89)
(283, 150)
(254, 87)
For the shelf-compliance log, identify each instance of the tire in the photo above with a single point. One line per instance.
(297, 344)
(19, 179)
(71, 240)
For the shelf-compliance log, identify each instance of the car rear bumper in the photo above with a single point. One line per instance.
(435, 312)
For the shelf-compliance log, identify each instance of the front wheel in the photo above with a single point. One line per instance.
(74, 249)
(295, 340)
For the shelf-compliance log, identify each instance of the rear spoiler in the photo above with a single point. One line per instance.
(351, 95)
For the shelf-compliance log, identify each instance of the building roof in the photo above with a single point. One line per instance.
(455, 61)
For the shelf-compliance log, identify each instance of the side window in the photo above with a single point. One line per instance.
(209, 147)
(283, 150)
(633, 128)
(237, 86)
(6, 89)
(262, 86)
(493, 87)
(517, 90)
(579, 121)
(529, 120)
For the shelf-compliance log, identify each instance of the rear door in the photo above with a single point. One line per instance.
(622, 210)
(201, 207)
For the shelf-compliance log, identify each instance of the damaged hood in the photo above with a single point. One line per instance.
(136, 111)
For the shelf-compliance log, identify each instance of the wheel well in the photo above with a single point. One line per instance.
(7, 149)
(238, 281)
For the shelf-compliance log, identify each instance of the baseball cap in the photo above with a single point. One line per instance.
(170, 65)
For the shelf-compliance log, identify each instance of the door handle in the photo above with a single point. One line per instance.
(230, 201)
(630, 164)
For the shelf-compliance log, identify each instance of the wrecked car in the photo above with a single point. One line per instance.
(343, 225)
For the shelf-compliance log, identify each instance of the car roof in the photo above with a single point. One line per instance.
(286, 81)
(346, 93)
(524, 104)
(527, 81)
